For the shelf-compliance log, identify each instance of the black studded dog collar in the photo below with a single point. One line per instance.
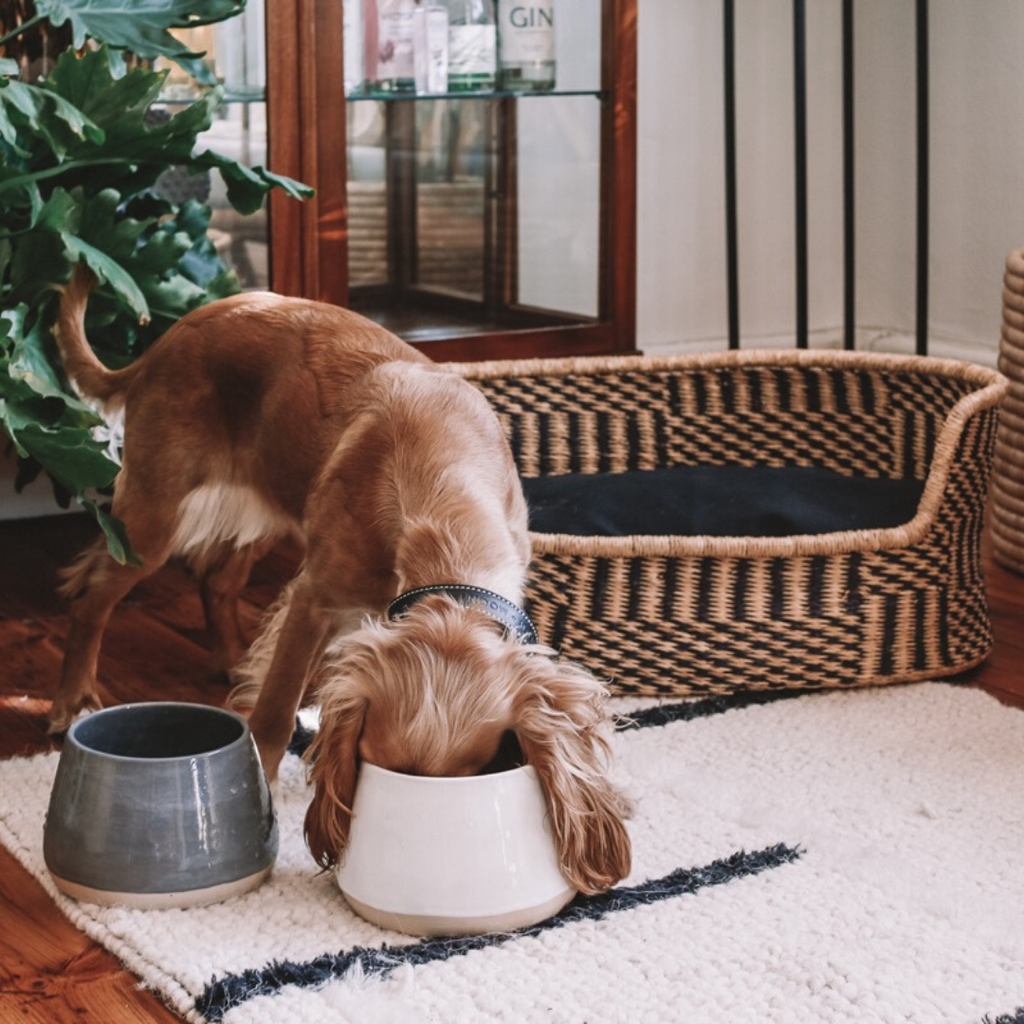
(516, 622)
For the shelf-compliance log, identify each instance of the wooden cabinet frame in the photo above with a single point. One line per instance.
(307, 140)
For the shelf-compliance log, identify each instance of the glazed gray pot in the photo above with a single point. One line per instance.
(159, 805)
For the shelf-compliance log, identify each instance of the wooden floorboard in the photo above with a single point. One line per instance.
(155, 649)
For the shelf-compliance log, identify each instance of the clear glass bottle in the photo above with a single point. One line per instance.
(395, 68)
(431, 47)
(240, 53)
(526, 45)
(472, 45)
(355, 45)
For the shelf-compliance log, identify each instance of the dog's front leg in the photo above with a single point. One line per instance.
(300, 643)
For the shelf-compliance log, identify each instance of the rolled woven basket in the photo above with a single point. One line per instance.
(1007, 518)
(667, 615)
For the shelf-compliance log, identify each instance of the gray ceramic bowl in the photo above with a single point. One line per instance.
(159, 805)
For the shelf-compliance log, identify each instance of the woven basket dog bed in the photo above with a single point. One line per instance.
(672, 614)
(1008, 469)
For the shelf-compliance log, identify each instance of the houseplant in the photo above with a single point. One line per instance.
(80, 152)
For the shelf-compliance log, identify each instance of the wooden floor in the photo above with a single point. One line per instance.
(154, 649)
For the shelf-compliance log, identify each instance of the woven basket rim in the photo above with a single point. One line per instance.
(990, 389)
(954, 369)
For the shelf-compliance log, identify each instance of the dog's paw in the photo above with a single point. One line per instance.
(63, 714)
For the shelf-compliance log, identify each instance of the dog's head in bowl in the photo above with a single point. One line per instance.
(427, 697)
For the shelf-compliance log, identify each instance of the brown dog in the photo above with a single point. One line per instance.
(259, 415)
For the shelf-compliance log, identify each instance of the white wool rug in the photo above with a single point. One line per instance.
(854, 856)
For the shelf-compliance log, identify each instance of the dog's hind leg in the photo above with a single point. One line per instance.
(222, 579)
(95, 583)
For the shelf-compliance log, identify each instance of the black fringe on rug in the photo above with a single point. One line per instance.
(1015, 1017)
(688, 710)
(234, 989)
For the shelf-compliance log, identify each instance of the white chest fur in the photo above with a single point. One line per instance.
(214, 514)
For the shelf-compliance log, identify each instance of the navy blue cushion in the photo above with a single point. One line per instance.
(718, 501)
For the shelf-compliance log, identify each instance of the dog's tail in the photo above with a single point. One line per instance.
(90, 378)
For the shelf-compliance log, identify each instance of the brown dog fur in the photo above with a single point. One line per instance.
(259, 415)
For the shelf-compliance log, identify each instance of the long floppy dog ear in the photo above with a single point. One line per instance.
(334, 759)
(559, 719)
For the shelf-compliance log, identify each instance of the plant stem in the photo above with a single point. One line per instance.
(21, 28)
(52, 172)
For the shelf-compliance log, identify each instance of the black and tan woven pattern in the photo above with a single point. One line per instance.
(677, 615)
(1008, 471)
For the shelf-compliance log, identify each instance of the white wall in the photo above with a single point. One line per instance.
(35, 500)
(977, 171)
(560, 174)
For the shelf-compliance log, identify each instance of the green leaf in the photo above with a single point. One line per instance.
(104, 226)
(134, 151)
(58, 213)
(115, 532)
(248, 185)
(141, 25)
(8, 67)
(31, 112)
(12, 322)
(203, 264)
(38, 262)
(28, 364)
(109, 271)
(35, 202)
(71, 455)
(31, 389)
(110, 101)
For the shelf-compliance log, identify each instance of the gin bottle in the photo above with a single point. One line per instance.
(472, 45)
(526, 45)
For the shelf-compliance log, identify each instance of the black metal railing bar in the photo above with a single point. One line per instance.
(731, 219)
(800, 166)
(801, 226)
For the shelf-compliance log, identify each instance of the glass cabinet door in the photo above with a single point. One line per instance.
(472, 213)
(495, 223)
(475, 224)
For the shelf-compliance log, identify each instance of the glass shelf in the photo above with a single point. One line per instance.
(182, 100)
(489, 94)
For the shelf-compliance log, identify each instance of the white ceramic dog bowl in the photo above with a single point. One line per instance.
(451, 856)
(159, 805)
